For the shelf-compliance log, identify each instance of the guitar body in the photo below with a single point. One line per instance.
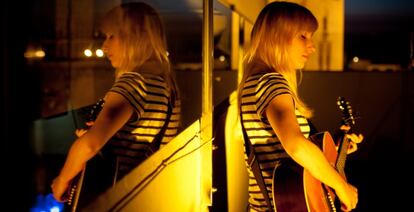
(296, 190)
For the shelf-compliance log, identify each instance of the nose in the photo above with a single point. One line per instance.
(311, 47)
(105, 47)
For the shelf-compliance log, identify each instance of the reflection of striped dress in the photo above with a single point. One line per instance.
(149, 97)
(257, 93)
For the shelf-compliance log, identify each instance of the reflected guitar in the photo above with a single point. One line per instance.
(79, 191)
(296, 190)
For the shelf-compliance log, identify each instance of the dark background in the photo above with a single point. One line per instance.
(379, 30)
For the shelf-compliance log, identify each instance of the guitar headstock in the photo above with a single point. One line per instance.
(96, 109)
(346, 109)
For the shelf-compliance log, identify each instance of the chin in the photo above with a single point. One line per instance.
(300, 66)
(115, 65)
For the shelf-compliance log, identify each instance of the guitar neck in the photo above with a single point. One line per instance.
(342, 154)
(74, 192)
(347, 119)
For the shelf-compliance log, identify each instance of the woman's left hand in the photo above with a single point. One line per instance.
(80, 132)
(354, 139)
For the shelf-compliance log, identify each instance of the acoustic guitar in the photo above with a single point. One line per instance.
(97, 175)
(296, 190)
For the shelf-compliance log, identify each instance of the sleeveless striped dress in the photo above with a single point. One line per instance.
(149, 97)
(258, 91)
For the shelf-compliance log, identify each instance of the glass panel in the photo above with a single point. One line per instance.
(183, 25)
(225, 79)
(64, 56)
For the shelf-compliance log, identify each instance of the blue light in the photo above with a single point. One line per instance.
(46, 203)
(55, 209)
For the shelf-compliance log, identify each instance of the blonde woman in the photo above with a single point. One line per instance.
(143, 100)
(273, 115)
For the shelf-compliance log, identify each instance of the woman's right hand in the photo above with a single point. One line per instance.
(348, 195)
(59, 188)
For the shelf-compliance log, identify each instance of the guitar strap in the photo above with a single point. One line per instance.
(253, 163)
(156, 143)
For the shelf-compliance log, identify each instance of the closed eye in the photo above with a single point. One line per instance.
(306, 35)
(109, 36)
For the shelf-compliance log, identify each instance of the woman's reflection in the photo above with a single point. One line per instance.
(141, 111)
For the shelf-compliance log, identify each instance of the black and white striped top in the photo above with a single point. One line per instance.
(258, 91)
(149, 96)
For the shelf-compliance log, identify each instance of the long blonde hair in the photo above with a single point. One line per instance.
(142, 37)
(273, 31)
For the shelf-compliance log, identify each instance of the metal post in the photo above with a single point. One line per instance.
(207, 105)
(207, 57)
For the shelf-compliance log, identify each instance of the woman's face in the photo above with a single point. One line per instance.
(112, 48)
(300, 48)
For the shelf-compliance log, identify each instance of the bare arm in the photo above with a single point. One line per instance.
(113, 116)
(281, 115)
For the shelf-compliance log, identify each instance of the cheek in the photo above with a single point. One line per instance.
(115, 63)
(297, 59)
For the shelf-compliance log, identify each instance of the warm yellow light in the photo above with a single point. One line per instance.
(222, 58)
(168, 54)
(87, 52)
(35, 53)
(355, 59)
(99, 53)
(39, 53)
